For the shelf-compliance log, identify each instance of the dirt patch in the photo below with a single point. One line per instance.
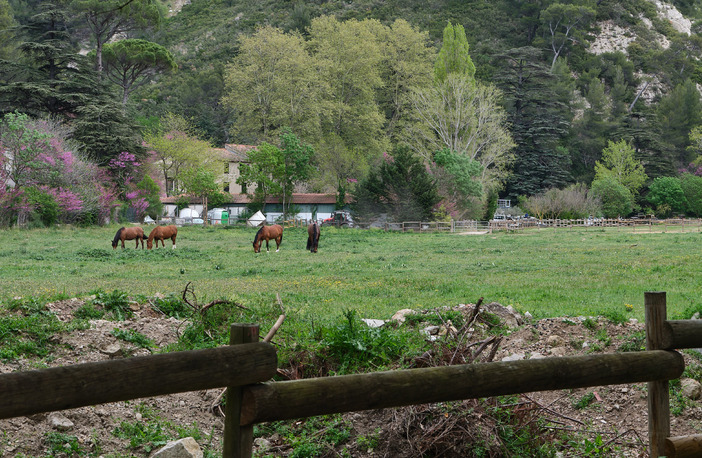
(614, 414)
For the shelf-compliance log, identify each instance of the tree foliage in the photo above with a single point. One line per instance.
(400, 187)
(177, 149)
(276, 170)
(133, 62)
(454, 57)
(108, 18)
(667, 195)
(619, 163)
(274, 82)
(616, 199)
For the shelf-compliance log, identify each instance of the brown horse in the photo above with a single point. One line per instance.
(129, 234)
(313, 237)
(268, 233)
(161, 233)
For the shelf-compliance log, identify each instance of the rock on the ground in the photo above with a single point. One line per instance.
(691, 388)
(59, 422)
(183, 448)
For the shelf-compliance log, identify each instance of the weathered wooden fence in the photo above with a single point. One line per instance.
(246, 365)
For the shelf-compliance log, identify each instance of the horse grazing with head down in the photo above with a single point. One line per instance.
(129, 234)
(267, 233)
(313, 237)
(161, 233)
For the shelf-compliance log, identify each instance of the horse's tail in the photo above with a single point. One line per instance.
(309, 242)
(117, 236)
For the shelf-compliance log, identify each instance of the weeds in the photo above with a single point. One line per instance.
(172, 306)
(30, 330)
(355, 347)
(310, 437)
(60, 444)
(584, 401)
(635, 342)
(116, 303)
(133, 337)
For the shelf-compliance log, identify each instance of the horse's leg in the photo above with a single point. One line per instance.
(173, 240)
(267, 250)
(123, 244)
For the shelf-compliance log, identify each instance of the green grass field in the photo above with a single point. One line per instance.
(548, 273)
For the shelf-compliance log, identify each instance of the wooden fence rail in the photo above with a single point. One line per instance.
(67, 387)
(346, 393)
(246, 363)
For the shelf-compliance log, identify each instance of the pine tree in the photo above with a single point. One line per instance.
(538, 123)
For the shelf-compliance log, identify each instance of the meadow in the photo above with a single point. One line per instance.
(547, 273)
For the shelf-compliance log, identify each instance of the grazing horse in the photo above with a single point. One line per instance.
(129, 234)
(268, 233)
(313, 237)
(161, 233)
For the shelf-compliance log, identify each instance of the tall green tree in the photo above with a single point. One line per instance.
(677, 115)
(132, 63)
(407, 56)
(667, 195)
(274, 82)
(51, 78)
(619, 162)
(566, 24)
(104, 130)
(350, 62)
(7, 30)
(458, 180)
(109, 18)
(454, 57)
(465, 117)
(537, 115)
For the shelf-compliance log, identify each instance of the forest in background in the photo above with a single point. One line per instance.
(356, 82)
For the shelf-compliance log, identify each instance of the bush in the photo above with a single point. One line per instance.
(666, 194)
(572, 202)
(615, 198)
(692, 189)
(45, 207)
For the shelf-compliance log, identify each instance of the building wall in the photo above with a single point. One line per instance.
(272, 211)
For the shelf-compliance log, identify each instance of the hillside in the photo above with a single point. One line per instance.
(562, 81)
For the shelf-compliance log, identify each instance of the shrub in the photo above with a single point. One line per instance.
(692, 189)
(572, 202)
(615, 199)
(44, 205)
(666, 194)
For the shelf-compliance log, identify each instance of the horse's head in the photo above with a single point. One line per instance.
(257, 245)
(149, 243)
(114, 244)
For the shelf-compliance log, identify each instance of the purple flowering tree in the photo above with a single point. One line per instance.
(35, 156)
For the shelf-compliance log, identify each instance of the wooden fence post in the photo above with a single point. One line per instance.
(658, 397)
(238, 439)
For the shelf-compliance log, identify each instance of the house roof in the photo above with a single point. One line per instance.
(237, 153)
(297, 198)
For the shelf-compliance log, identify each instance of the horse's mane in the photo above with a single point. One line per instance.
(152, 234)
(117, 235)
(259, 233)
